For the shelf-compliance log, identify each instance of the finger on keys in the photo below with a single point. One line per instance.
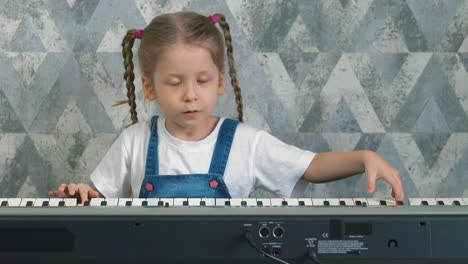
(83, 194)
(396, 186)
(93, 193)
(371, 175)
(72, 189)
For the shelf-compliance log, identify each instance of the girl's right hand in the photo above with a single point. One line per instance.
(79, 190)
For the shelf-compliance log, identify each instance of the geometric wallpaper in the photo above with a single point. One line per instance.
(324, 75)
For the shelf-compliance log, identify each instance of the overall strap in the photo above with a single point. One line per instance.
(223, 146)
(152, 160)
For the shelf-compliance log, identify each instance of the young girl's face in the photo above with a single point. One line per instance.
(186, 85)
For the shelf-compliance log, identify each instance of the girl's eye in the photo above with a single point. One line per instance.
(202, 81)
(176, 84)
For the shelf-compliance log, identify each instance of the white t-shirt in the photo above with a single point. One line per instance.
(257, 160)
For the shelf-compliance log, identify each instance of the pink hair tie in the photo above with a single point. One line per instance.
(138, 33)
(213, 18)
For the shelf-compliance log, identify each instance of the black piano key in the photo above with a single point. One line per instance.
(61, 203)
(284, 203)
(128, 203)
(399, 203)
(227, 203)
(202, 203)
(160, 203)
(86, 203)
(29, 203)
(440, 203)
(104, 203)
(144, 203)
(243, 203)
(4, 203)
(326, 203)
(166, 204)
(342, 203)
(185, 203)
(424, 203)
(358, 203)
(382, 202)
(301, 203)
(45, 203)
(456, 203)
(259, 203)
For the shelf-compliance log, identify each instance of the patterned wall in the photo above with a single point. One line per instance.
(389, 76)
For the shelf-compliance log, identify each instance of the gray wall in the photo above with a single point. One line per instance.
(389, 76)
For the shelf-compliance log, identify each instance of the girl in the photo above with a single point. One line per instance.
(188, 152)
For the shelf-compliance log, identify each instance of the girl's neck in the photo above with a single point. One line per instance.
(192, 133)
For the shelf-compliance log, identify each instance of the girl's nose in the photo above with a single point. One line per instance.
(190, 92)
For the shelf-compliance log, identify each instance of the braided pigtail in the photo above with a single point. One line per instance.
(232, 68)
(129, 76)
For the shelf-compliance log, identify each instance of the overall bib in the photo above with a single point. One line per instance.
(201, 185)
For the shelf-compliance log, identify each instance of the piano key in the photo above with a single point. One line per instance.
(333, 202)
(380, 202)
(422, 201)
(448, 201)
(3, 202)
(292, 201)
(209, 201)
(194, 202)
(360, 201)
(265, 201)
(13, 202)
(168, 202)
(27, 202)
(128, 203)
(347, 201)
(70, 201)
(112, 201)
(96, 201)
(236, 202)
(318, 202)
(124, 201)
(150, 202)
(305, 201)
(250, 201)
(138, 201)
(221, 201)
(180, 201)
(40, 201)
(465, 201)
(276, 201)
(54, 202)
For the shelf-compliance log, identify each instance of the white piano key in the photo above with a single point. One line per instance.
(13, 202)
(333, 201)
(361, 200)
(347, 201)
(96, 201)
(276, 201)
(418, 201)
(292, 201)
(265, 201)
(307, 201)
(39, 201)
(151, 201)
(449, 201)
(465, 201)
(221, 201)
(112, 201)
(194, 201)
(236, 201)
(377, 201)
(180, 201)
(70, 201)
(209, 201)
(317, 201)
(167, 201)
(250, 201)
(123, 201)
(53, 202)
(26, 201)
(138, 201)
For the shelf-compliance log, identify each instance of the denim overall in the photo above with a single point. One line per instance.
(202, 185)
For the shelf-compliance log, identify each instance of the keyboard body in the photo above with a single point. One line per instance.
(185, 232)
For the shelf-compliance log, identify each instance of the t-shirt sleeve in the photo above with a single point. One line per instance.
(112, 175)
(278, 167)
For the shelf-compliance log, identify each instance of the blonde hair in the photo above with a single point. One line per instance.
(181, 27)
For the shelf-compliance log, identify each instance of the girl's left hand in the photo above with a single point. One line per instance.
(377, 168)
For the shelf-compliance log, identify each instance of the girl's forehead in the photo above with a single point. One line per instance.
(181, 58)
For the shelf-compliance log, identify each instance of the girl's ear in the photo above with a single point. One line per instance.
(222, 84)
(148, 90)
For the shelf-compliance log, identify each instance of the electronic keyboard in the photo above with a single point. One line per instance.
(253, 230)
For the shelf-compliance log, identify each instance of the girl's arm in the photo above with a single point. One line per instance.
(332, 166)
